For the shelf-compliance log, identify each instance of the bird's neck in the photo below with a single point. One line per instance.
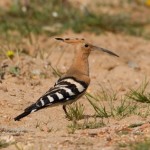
(80, 64)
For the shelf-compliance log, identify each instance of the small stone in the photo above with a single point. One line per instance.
(108, 138)
(36, 72)
(3, 88)
(133, 65)
(55, 14)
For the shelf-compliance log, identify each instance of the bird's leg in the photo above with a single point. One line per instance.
(65, 110)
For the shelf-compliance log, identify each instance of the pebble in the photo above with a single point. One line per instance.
(133, 65)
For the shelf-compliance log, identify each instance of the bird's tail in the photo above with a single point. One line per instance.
(26, 112)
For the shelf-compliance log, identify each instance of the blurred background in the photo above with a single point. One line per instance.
(52, 17)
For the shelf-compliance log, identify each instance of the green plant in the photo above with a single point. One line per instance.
(105, 105)
(135, 125)
(72, 127)
(125, 108)
(143, 145)
(99, 109)
(14, 70)
(75, 111)
(122, 145)
(138, 145)
(3, 144)
(18, 147)
(6, 141)
(56, 72)
(92, 124)
(140, 94)
(85, 125)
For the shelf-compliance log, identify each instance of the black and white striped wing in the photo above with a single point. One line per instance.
(66, 90)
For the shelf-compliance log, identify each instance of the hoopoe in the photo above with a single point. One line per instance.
(73, 84)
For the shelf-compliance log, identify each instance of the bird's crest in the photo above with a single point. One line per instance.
(86, 45)
(71, 40)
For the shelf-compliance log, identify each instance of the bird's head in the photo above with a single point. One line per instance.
(85, 46)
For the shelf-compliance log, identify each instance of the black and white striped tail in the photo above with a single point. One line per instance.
(66, 90)
(26, 112)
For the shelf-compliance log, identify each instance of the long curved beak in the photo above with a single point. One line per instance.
(104, 50)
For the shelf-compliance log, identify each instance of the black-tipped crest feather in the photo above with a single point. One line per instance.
(60, 39)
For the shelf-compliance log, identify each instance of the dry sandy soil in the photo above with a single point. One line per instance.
(18, 92)
(48, 128)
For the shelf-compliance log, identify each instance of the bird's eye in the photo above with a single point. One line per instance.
(86, 45)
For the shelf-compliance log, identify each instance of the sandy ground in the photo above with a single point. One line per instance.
(47, 129)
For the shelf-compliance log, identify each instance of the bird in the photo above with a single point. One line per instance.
(73, 84)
